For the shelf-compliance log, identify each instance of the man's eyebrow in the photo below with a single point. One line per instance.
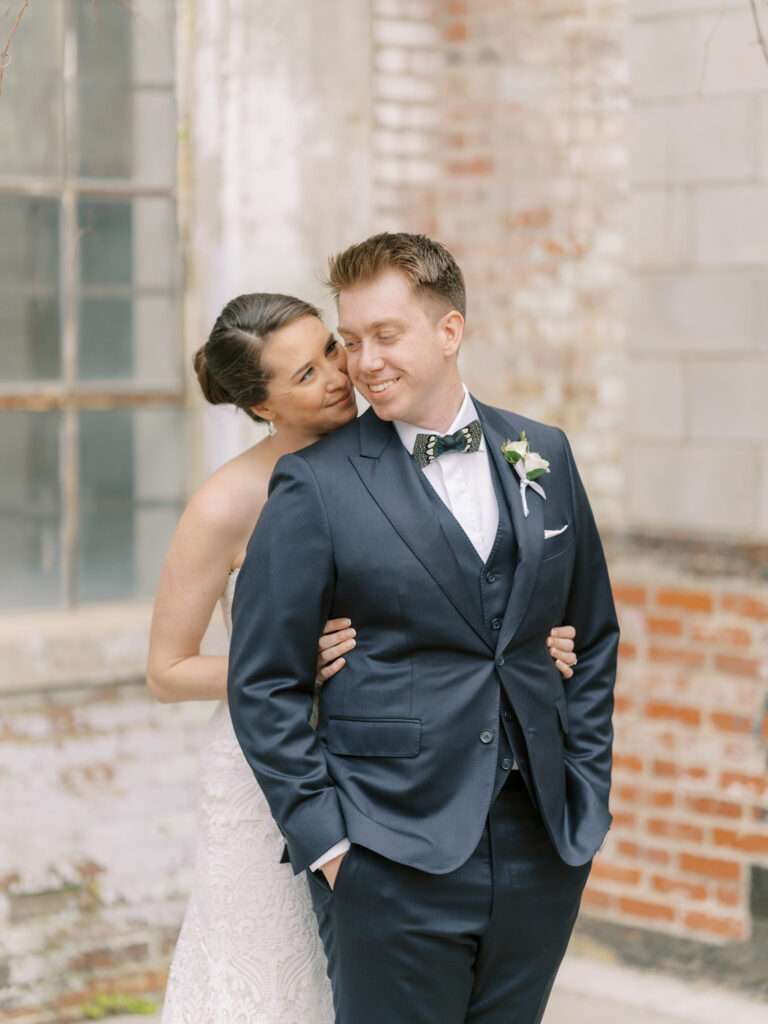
(306, 366)
(375, 326)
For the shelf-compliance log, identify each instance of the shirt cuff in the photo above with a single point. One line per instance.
(335, 851)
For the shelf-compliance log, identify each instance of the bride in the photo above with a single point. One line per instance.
(249, 949)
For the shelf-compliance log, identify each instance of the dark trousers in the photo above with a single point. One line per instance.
(479, 945)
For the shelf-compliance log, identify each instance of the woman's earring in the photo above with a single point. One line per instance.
(271, 428)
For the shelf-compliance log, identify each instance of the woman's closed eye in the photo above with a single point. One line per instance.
(331, 349)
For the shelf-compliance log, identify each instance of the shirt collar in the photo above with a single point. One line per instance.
(466, 414)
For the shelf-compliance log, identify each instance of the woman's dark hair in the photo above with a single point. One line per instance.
(229, 366)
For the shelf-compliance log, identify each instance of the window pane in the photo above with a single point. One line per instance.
(30, 509)
(129, 315)
(31, 122)
(125, 76)
(30, 347)
(130, 499)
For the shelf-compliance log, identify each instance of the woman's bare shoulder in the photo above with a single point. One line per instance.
(230, 501)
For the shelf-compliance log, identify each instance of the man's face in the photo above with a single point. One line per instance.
(399, 355)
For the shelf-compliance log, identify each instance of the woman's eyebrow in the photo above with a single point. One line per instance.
(306, 366)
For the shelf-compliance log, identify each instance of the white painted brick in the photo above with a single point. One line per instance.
(735, 62)
(403, 171)
(702, 310)
(405, 87)
(403, 8)
(726, 400)
(654, 392)
(388, 32)
(680, 487)
(659, 227)
(392, 60)
(648, 141)
(763, 139)
(713, 138)
(671, 8)
(406, 143)
(667, 57)
(732, 224)
(762, 519)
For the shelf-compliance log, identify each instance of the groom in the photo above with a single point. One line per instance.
(451, 799)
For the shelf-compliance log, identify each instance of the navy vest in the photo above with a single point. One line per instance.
(490, 583)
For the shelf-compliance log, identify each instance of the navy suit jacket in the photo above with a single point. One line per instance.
(396, 762)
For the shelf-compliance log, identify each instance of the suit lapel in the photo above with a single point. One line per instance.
(498, 428)
(390, 476)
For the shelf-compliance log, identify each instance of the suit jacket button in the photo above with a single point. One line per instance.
(500, 660)
(491, 577)
(486, 736)
(495, 623)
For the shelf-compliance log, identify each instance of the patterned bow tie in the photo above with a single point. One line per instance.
(429, 447)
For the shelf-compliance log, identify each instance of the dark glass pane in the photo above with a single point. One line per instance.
(106, 239)
(31, 105)
(130, 499)
(30, 345)
(30, 509)
(106, 333)
(125, 90)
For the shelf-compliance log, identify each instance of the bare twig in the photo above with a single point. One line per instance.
(761, 32)
(5, 53)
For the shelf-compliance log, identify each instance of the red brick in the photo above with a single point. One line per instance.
(627, 650)
(613, 873)
(726, 722)
(690, 600)
(720, 636)
(675, 830)
(747, 605)
(479, 166)
(622, 704)
(628, 794)
(594, 899)
(646, 909)
(661, 798)
(645, 853)
(657, 626)
(625, 594)
(724, 927)
(747, 842)
(758, 784)
(672, 712)
(737, 665)
(675, 885)
(728, 895)
(627, 763)
(716, 808)
(675, 656)
(670, 770)
(622, 819)
(455, 32)
(712, 867)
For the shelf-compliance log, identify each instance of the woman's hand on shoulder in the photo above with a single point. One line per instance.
(338, 639)
(561, 644)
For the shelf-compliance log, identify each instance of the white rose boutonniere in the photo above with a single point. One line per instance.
(528, 465)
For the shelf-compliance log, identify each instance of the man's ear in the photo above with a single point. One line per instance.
(451, 328)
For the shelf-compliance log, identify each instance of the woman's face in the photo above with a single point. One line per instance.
(309, 390)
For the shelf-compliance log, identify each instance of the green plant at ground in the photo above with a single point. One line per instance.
(113, 1003)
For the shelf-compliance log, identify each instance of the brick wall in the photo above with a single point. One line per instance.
(689, 791)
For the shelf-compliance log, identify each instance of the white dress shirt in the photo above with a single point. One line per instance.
(463, 481)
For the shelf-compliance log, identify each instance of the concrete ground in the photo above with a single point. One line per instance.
(588, 991)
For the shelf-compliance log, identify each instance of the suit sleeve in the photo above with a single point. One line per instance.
(590, 609)
(282, 599)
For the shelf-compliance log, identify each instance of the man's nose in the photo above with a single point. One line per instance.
(370, 360)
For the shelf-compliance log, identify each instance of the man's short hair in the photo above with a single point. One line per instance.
(427, 264)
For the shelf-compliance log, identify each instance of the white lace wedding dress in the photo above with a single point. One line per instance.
(249, 950)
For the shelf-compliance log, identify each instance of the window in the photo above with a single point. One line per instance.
(90, 335)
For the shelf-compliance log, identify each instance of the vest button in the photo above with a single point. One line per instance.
(491, 577)
(507, 714)
(506, 764)
(500, 660)
(495, 623)
(486, 736)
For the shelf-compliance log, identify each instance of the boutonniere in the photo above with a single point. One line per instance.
(528, 465)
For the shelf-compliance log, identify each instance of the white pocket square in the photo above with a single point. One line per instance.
(554, 533)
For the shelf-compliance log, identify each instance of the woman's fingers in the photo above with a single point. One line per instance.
(560, 643)
(330, 670)
(334, 625)
(330, 639)
(564, 631)
(564, 670)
